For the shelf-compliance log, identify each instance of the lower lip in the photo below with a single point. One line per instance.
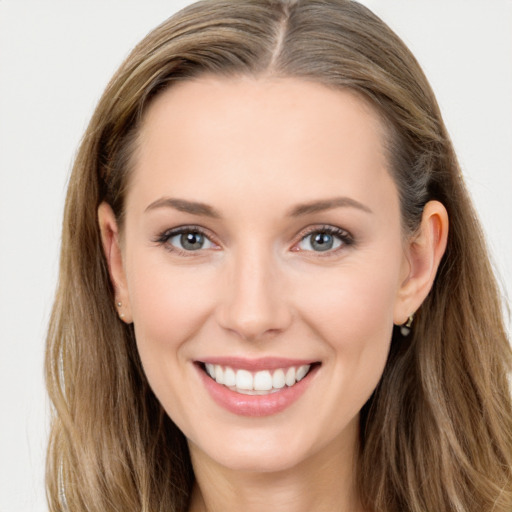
(255, 405)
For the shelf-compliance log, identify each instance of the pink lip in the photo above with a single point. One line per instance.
(255, 405)
(253, 365)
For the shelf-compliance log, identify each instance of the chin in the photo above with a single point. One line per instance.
(259, 458)
(273, 449)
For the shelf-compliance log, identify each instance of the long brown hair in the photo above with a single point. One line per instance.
(437, 433)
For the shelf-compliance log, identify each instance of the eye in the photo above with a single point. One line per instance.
(190, 241)
(185, 240)
(324, 239)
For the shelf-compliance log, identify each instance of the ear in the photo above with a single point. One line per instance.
(423, 253)
(112, 248)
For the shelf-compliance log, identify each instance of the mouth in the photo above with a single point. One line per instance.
(264, 381)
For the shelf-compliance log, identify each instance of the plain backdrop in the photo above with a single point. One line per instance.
(55, 59)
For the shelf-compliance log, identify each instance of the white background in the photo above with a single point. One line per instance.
(55, 59)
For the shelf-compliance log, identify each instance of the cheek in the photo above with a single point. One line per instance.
(169, 305)
(350, 304)
(351, 310)
(355, 321)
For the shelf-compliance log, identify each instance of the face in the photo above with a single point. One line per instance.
(262, 265)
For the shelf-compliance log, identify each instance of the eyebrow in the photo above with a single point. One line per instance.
(197, 208)
(327, 204)
(182, 205)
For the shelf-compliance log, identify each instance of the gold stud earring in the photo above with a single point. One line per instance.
(405, 329)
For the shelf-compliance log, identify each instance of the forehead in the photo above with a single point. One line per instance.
(258, 134)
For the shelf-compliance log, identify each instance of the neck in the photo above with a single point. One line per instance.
(324, 482)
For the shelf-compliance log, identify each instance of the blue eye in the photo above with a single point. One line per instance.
(325, 239)
(187, 240)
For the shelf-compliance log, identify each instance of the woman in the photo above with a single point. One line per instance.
(274, 292)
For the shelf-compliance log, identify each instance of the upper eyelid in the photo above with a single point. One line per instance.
(324, 227)
(184, 229)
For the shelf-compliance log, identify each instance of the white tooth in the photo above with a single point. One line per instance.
(229, 377)
(290, 376)
(262, 381)
(244, 379)
(219, 374)
(302, 371)
(210, 370)
(278, 379)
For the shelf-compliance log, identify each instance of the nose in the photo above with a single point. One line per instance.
(254, 302)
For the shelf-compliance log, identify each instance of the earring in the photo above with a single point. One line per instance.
(405, 329)
(119, 304)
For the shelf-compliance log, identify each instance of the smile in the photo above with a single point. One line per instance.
(256, 387)
(256, 383)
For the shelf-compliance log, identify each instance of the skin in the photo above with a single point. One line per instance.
(253, 149)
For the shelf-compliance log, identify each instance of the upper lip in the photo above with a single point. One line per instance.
(263, 363)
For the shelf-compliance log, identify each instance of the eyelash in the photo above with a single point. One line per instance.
(164, 237)
(344, 237)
